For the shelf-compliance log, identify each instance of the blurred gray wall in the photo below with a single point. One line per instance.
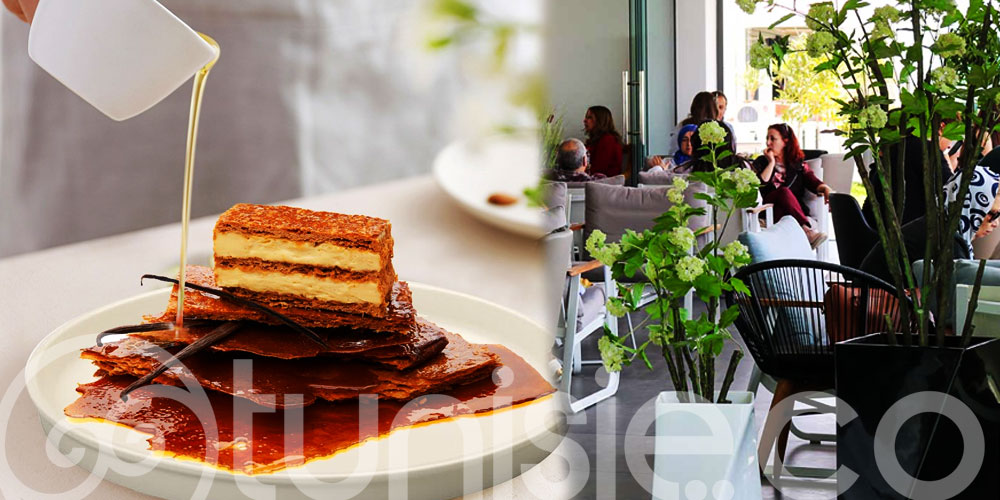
(586, 50)
(309, 96)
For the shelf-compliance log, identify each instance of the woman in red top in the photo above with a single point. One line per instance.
(604, 143)
(784, 178)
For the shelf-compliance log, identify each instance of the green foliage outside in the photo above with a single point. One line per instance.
(809, 94)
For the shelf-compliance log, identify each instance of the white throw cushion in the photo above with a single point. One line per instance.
(784, 240)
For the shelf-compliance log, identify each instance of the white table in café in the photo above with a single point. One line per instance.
(436, 243)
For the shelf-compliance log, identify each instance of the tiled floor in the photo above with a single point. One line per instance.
(616, 435)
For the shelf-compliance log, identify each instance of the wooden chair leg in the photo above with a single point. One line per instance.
(773, 436)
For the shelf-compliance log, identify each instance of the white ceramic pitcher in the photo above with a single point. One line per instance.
(121, 56)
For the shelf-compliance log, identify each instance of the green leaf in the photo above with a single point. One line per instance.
(913, 104)
(883, 51)
(633, 264)
(890, 136)
(849, 5)
(708, 286)
(458, 9)
(642, 355)
(729, 316)
(636, 294)
(954, 130)
(653, 310)
(829, 64)
(739, 286)
(717, 265)
(657, 249)
(951, 19)
(440, 42)
(779, 21)
(977, 77)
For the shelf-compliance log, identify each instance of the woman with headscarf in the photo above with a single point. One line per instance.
(685, 148)
(604, 143)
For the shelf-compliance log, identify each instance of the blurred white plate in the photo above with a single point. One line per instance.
(471, 172)
(438, 460)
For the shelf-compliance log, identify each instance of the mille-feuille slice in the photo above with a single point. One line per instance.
(302, 258)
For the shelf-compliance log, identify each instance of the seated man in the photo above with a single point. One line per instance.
(572, 163)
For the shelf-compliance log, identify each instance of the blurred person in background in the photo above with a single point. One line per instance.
(604, 142)
(704, 107)
(572, 163)
(722, 103)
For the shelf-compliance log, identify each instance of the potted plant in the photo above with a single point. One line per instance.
(908, 68)
(666, 262)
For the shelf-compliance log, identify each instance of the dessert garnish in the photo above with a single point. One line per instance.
(145, 327)
(216, 335)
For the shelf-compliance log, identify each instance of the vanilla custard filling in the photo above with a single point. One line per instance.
(328, 290)
(239, 246)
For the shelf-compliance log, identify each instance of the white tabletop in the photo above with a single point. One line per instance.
(435, 243)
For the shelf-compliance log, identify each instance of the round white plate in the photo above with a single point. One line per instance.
(439, 460)
(471, 172)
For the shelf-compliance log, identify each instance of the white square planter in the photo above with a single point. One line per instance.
(706, 450)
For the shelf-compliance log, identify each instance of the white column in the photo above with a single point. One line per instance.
(696, 51)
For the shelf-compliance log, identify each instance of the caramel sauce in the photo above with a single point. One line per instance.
(252, 439)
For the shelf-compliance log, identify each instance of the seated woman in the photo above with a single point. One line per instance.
(704, 107)
(981, 209)
(785, 178)
(700, 161)
(604, 143)
(682, 155)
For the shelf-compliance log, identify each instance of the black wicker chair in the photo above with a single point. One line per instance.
(795, 313)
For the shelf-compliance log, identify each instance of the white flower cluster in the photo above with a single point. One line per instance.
(659, 337)
(747, 6)
(746, 180)
(616, 307)
(606, 254)
(736, 253)
(676, 192)
(689, 268)
(872, 117)
(819, 43)
(820, 15)
(886, 13)
(949, 44)
(883, 17)
(681, 237)
(612, 354)
(712, 133)
(944, 78)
